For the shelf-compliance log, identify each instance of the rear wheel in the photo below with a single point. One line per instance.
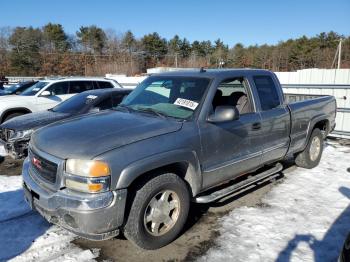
(311, 156)
(158, 212)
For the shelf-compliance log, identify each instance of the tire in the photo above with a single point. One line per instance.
(311, 156)
(13, 115)
(149, 195)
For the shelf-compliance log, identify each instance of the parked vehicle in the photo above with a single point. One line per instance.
(15, 133)
(17, 89)
(3, 81)
(345, 252)
(46, 94)
(177, 137)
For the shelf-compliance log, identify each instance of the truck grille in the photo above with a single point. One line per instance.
(42, 167)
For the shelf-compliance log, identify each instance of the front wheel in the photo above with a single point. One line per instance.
(159, 212)
(311, 156)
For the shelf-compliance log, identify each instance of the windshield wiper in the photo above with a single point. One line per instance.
(151, 110)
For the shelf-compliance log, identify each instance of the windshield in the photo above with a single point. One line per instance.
(75, 103)
(173, 96)
(12, 89)
(18, 87)
(34, 89)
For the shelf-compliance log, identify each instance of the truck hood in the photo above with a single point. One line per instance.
(91, 135)
(34, 120)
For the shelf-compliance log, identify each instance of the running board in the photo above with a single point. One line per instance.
(241, 186)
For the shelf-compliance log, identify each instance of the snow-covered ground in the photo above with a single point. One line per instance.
(26, 236)
(2, 151)
(305, 218)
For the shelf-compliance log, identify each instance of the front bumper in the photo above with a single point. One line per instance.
(93, 216)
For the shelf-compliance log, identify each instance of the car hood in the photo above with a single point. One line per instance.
(19, 100)
(89, 136)
(34, 120)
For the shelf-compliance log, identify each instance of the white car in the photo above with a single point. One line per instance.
(45, 94)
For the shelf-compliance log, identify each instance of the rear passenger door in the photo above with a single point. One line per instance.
(275, 118)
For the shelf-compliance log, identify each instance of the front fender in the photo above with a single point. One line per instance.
(136, 169)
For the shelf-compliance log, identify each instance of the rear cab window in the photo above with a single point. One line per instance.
(267, 92)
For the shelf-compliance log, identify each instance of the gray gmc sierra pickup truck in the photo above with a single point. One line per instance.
(178, 137)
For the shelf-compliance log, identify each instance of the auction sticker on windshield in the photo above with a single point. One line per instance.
(186, 103)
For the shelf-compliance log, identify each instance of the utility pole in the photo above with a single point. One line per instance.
(339, 53)
(176, 60)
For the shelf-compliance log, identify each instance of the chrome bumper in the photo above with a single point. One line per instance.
(93, 216)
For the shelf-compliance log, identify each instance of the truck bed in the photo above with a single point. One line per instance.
(304, 108)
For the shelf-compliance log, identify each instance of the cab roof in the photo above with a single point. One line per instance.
(214, 73)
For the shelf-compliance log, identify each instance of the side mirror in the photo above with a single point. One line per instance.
(45, 93)
(224, 114)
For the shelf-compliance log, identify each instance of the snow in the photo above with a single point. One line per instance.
(26, 236)
(304, 218)
(2, 151)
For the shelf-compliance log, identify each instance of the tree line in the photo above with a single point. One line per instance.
(49, 50)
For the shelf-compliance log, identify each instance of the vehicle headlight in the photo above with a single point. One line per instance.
(22, 134)
(90, 176)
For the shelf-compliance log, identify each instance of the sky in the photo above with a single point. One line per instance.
(249, 22)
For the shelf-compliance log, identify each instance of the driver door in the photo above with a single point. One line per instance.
(231, 148)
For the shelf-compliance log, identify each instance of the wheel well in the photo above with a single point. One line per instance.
(179, 168)
(323, 125)
(13, 111)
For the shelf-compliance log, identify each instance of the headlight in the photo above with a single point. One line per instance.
(87, 175)
(20, 135)
(87, 168)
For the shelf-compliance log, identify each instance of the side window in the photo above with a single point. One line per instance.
(117, 99)
(104, 104)
(103, 84)
(80, 86)
(267, 92)
(60, 88)
(233, 92)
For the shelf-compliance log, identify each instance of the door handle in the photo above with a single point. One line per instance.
(256, 126)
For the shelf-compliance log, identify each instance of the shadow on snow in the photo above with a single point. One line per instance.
(328, 248)
(19, 226)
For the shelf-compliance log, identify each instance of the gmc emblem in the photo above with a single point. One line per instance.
(36, 162)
